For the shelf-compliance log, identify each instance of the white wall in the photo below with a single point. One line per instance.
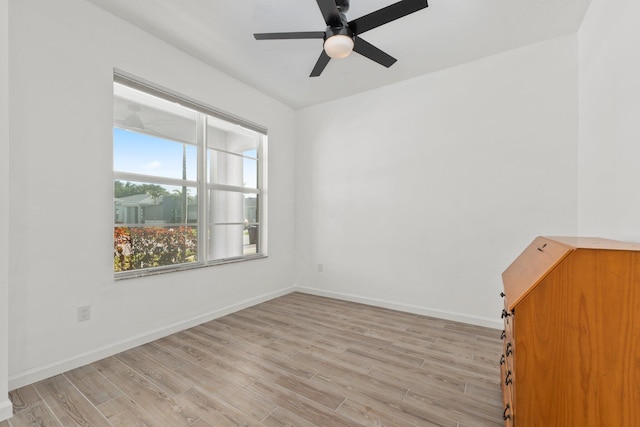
(418, 195)
(5, 404)
(60, 233)
(609, 196)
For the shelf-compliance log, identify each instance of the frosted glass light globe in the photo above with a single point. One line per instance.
(338, 46)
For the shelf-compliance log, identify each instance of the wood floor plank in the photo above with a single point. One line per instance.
(203, 339)
(93, 385)
(385, 355)
(297, 360)
(412, 415)
(460, 409)
(161, 355)
(35, 416)
(109, 366)
(225, 371)
(419, 379)
(299, 405)
(169, 343)
(215, 411)
(69, 405)
(367, 415)
(146, 394)
(346, 380)
(281, 417)
(264, 358)
(240, 398)
(324, 397)
(472, 329)
(124, 412)
(284, 320)
(265, 365)
(199, 339)
(202, 423)
(164, 378)
(24, 398)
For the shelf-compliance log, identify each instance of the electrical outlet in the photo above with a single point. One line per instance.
(84, 313)
(320, 268)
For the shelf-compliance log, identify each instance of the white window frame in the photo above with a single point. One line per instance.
(203, 186)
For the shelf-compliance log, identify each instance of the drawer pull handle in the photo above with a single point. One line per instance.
(504, 414)
(503, 360)
(503, 335)
(507, 379)
(502, 294)
(509, 349)
(542, 248)
(505, 313)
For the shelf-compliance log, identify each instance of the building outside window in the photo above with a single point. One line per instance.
(188, 182)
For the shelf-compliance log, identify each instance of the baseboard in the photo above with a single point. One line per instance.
(6, 409)
(425, 311)
(40, 373)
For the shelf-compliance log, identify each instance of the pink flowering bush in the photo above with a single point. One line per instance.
(146, 247)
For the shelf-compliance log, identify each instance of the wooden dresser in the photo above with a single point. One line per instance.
(572, 334)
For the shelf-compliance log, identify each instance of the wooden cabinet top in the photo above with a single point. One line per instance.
(595, 243)
(543, 255)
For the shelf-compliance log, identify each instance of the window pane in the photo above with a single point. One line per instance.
(146, 247)
(139, 153)
(151, 228)
(250, 173)
(251, 208)
(230, 241)
(226, 207)
(143, 113)
(145, 203)
(231, 169)
(229, 137)
(233, 224)
(250, 239)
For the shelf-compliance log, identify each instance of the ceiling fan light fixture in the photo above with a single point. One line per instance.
(338, 46)
(342, 36)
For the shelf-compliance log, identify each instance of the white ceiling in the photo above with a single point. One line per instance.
(447, 33)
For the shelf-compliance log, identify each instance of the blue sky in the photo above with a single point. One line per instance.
(149, 155)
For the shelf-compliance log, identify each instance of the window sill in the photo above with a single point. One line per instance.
(182, 267)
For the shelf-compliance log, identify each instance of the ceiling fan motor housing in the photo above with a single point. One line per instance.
(342, 5)
(341, 31)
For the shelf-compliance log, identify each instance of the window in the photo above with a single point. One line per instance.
(188, 182)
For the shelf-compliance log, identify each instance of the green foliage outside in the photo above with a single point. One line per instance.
(144, 247)
(121, 189)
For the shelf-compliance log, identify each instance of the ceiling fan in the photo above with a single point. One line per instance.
(342, 37)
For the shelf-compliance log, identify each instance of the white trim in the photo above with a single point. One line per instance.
(6, 410)
(424, 311)
(151, 179)
(126, 79)
(42, 372)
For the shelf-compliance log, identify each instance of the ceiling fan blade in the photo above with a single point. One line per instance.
(373, 53)
(385, 15)
(330, 12)
(322, 62)
(291, 35)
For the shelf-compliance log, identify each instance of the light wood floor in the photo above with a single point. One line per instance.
(298, 360)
